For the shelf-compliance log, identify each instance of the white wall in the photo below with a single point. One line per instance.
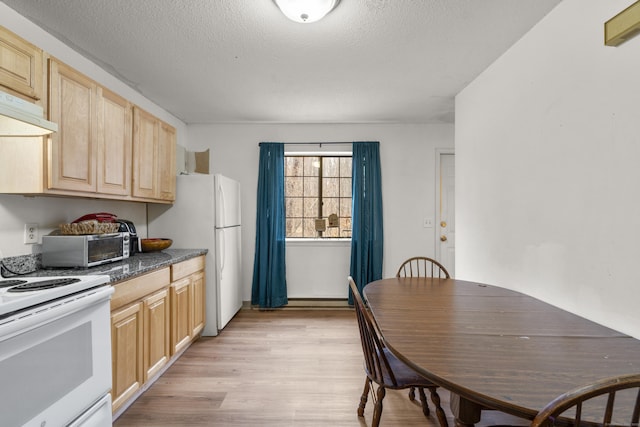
(547, 177)
(48, 212)
(408, 175)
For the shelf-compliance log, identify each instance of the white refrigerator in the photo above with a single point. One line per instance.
(207, 214)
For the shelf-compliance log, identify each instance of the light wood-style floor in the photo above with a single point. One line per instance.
(274, 368)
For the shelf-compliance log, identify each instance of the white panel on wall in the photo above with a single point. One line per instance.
(318, 270)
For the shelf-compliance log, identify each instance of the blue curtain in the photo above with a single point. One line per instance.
(269, 288)
(366, 215)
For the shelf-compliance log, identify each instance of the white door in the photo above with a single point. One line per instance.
(228, 250)
(446, 226)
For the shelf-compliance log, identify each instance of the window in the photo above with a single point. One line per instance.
(318, 196)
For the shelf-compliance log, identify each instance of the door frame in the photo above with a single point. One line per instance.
(436, 234)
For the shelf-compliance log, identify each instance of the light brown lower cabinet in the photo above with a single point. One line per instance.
(126, 350)
(187, 302)
(156, 332)
(198, 285)
(154, 317)
(180, 327)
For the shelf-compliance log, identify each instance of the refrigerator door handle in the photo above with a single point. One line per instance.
(222, 210)
(221, 250)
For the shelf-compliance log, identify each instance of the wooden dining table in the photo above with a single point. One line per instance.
(494, 348)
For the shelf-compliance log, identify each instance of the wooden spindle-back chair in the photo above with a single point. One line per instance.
(385, 369)
(421, 266)
(578, 407)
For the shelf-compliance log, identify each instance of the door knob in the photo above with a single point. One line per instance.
(443, 224)
(443, 238)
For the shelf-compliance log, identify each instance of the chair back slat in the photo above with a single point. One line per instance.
(376, 363)
(422, 267)
(608, 413)
(578, 417)
(619, 409)
(635, 418)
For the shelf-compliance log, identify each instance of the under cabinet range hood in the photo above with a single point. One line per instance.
(22, 118)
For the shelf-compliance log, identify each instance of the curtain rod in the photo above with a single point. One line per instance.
(313, 143)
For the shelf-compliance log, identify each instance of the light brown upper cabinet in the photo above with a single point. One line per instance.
(154, 147)
(114, 144)
(74, 148)
(21, 74)
(91, 152)
(105, 146)
(21, 66)
(167, 163)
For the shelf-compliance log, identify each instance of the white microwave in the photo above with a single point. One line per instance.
(86, 250)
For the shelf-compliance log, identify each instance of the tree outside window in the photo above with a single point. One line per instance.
(318, 196)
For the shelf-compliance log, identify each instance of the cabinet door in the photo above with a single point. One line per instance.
(154, 157)
(127, 352)
(181, 323)
(72, 104)
(114, 144)
(145, 154)
(21, 69)
(156, 333)
(198, 303)
(167, 163)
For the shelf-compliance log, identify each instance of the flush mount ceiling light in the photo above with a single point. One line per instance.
(306, 11)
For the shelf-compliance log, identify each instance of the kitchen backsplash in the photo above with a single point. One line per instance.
(49, 212)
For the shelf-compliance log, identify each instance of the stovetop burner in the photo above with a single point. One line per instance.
(8, 283)
(24, 292)
(43, 284)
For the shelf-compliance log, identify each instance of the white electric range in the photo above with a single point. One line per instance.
(55, 349)
(21, 293)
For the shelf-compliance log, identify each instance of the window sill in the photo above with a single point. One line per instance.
(339, 241)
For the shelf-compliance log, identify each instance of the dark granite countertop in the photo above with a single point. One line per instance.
(133, 266)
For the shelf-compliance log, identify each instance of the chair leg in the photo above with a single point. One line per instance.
(435, 398)
(377, 411)
(423, 401)
(364, 397)
(412, 394)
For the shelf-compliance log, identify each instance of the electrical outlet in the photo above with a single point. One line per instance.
(427, 222)
(30, 233)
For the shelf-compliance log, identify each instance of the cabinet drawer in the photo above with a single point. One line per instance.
(21, 66)
(185, 268)
(135, 289)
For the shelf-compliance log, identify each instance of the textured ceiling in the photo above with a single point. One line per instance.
(221, 61)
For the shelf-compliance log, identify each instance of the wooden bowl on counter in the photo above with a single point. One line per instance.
(154, 245)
